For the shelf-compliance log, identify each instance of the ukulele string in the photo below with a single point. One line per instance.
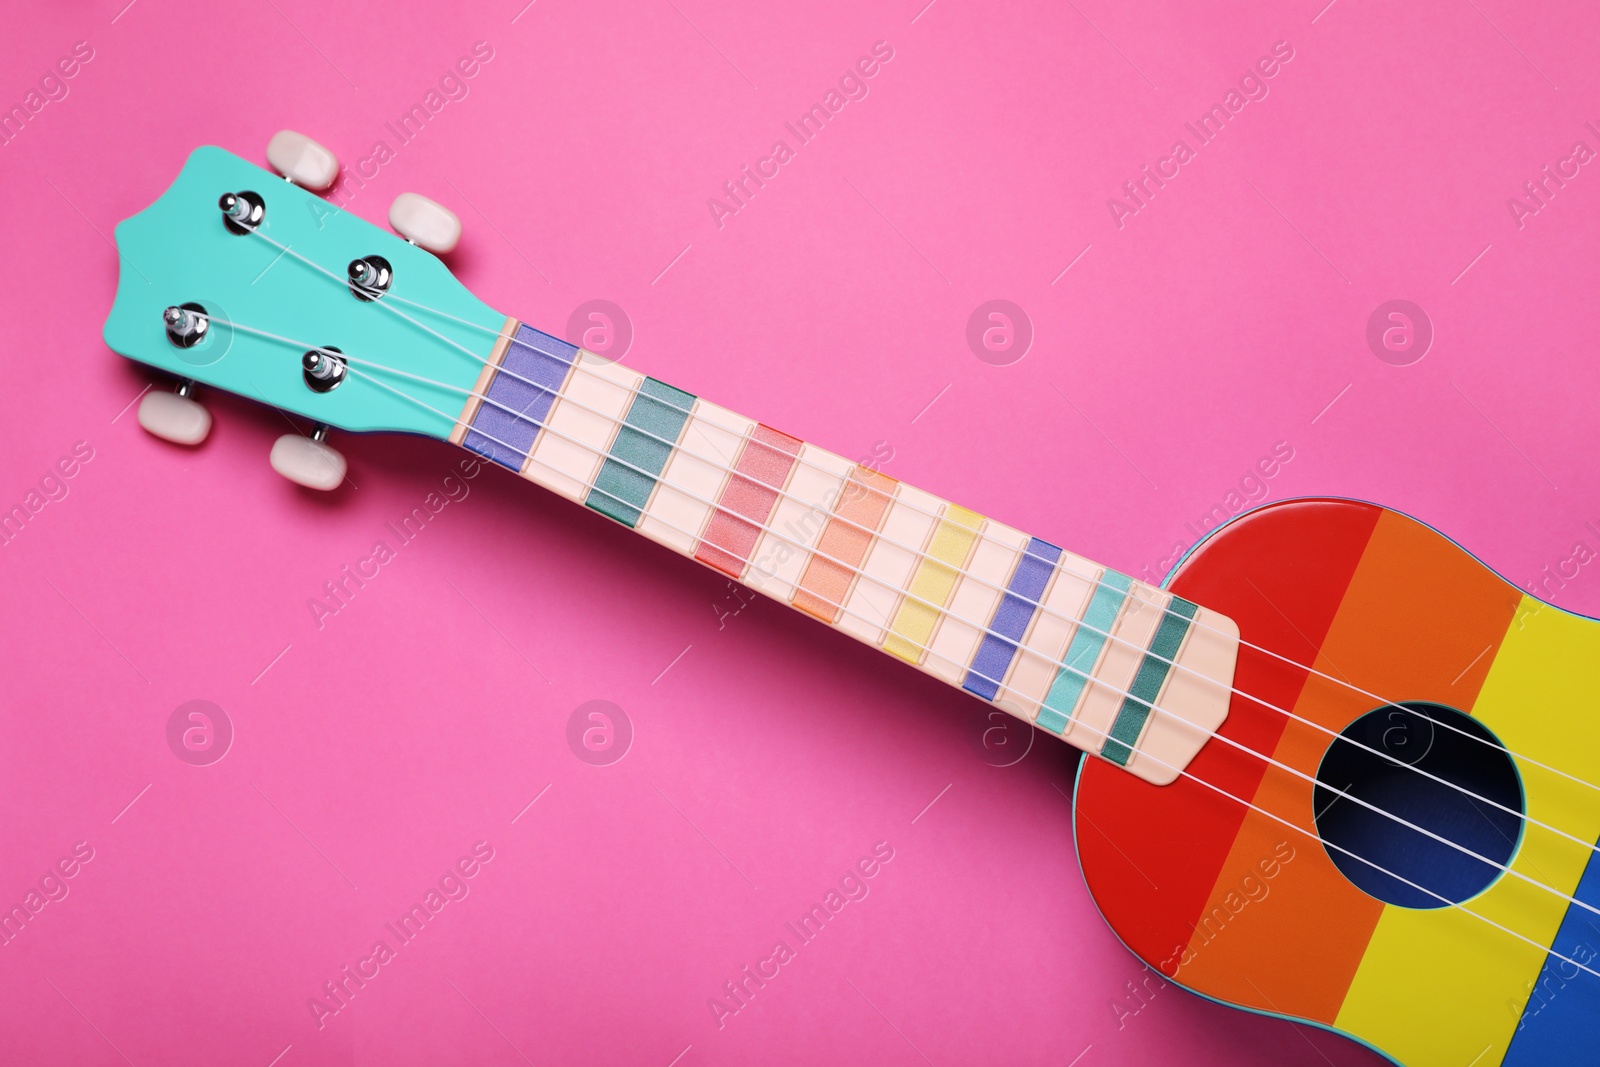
(1085, 675)
(1095, 582)
(578, 367)
(353, 360)
(1105, 735)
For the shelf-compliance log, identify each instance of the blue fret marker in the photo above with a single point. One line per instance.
(1011, 618)
(1084, 651)
(544, 363)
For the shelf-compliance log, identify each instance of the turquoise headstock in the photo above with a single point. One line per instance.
(266, 304)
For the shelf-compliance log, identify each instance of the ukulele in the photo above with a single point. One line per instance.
(1343, 775)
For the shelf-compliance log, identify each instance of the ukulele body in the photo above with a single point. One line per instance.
(1255, 913)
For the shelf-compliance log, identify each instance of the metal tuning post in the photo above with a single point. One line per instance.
(370, 277)
(323, 368)
(187, 324)
(242, 211)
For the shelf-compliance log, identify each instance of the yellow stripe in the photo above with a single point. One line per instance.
(935, 578)
(1425, 967)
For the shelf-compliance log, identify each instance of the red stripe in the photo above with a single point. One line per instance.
(1151, 854)
(752, 492)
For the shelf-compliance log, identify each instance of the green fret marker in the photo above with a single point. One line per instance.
(1147, 682)
(655, 418)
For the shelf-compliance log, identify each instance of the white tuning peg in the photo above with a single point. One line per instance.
(307, 461)
(425, 222)
(302, 160)
(175, 417)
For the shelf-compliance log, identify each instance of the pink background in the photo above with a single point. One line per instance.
(1225, 316)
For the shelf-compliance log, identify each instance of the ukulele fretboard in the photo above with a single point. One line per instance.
(1118, 668)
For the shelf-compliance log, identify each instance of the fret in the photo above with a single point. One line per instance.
(1044, 646)
(830, 573)
(1142, 611)
(486, 376)
(694, 476)
(932, 584)
(815, 486)
(1148, 681)
(1084, 651)
(964, 623)
(639, 451)
(907, 527)
(1201, 690)
(747, 501)
(1015, 613)
(566, 458)
(528, 373)
(1115, 667)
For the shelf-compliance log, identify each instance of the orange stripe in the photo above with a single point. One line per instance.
(845, 539)
(1417, 612)
(1151, 855)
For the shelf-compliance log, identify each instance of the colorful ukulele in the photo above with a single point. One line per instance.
(1354, 788)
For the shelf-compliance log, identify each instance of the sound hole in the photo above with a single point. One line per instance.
(1412, 741)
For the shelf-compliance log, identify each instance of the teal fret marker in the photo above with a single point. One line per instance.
(1147, 682)
(1083, 651)
(644, 441)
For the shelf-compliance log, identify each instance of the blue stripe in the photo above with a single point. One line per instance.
(1011, 618)
(1561, 1021)
(544, 362)
(1084, 651)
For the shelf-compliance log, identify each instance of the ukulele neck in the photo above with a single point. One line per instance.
(1116, 667)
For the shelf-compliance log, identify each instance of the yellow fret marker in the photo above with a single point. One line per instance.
(935, 578)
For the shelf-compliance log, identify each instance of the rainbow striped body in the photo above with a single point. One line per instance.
(1080, 650)
(1247, 911)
